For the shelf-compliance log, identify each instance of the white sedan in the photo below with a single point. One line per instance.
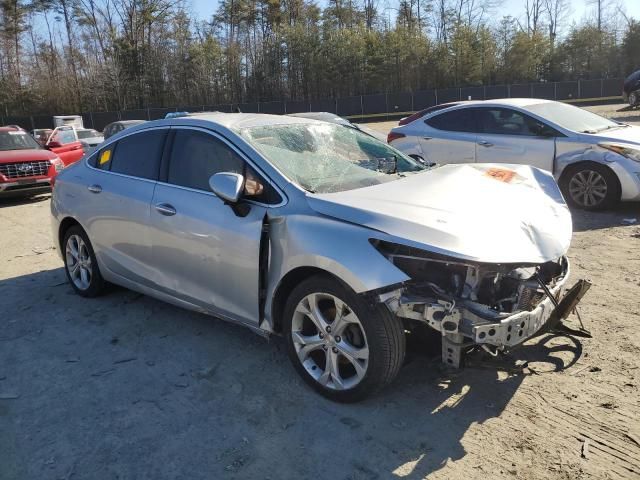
(595, 160)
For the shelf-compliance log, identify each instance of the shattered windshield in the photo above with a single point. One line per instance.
(325, 158)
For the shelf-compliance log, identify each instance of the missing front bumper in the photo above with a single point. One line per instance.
(522, 326)
(465, 325)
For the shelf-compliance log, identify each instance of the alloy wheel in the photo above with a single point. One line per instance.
(330, 341)
(588, 188)
(78, 262)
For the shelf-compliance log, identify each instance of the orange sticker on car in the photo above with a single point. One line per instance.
(501, 174)
(105, 157)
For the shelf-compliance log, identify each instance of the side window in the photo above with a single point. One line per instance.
(504, 121)
(137, 155)
(102, 159)
(196, 156)
(461, 120)
(64, 135)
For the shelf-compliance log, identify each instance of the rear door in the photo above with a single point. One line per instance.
(121, 187)
(509, 136)
(450, 137)
(64, 143)
(205, 253)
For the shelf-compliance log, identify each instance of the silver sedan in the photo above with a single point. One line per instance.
(321, 234)
(595, 160)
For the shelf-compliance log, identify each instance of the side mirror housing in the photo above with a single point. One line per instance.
(542, 130)
(227, 186)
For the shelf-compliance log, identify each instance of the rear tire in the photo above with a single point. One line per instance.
(634, 98)
(348, 357)
(590, 186)
(80, 263)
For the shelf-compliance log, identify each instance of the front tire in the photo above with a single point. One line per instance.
(80, 263)
(590, 186)
(634, 98)
(343, 347)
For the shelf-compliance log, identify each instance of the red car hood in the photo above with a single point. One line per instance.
(12, 156)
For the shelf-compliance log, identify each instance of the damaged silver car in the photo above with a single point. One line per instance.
(321, 234)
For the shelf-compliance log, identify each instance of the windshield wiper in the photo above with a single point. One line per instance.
(611, 127)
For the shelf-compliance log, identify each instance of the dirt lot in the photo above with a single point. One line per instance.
(127, 387)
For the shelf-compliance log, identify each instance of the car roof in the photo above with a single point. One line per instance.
(239, 121)
(129, 122)
(9, 129)
(508, 102)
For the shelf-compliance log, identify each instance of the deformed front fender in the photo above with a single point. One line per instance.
(339, 248)
(624, 168)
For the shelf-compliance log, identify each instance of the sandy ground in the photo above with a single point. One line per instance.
(127, 387)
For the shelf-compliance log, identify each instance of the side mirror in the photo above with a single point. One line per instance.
(227, 186)
(422, 161)
(53, 144)
(541, 130)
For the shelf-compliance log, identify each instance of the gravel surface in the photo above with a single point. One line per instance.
(124, 386)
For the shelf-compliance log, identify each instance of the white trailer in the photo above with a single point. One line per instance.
(72, 120)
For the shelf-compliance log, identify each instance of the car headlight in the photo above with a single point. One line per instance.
(627, 151)
(57, 164)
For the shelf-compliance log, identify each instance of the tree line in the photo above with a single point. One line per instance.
(96, 55)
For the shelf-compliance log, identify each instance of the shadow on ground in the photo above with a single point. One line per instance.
(23, 200)
(124, 386)
(584, 220)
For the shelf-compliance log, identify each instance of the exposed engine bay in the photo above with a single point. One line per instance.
(491, 306)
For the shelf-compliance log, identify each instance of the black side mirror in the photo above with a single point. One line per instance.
(422, 161)
(541, 130)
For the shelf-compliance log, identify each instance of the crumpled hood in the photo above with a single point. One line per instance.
(493, 213)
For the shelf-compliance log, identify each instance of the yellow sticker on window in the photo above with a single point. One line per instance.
(105, 157)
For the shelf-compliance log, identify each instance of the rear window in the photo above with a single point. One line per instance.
(461, 120)
(138, 155)
(17, 140)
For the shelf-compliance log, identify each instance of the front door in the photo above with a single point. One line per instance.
(509, 136)
(205, 253)
(64, 143)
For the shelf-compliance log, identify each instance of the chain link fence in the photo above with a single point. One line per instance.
(361, 107)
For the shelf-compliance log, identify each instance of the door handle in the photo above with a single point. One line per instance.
(427, 138)
(94, 188)
(165, 209)
(484, 143)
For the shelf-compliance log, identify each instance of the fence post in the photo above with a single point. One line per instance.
(413, 103)
(386, 105)
(555, 90)
(435, 95)
(361, 107)
(601, 87)
(579, 89)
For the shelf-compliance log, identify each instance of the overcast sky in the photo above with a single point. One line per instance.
(580, 9)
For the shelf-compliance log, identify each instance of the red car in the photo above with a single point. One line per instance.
(26, 168)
